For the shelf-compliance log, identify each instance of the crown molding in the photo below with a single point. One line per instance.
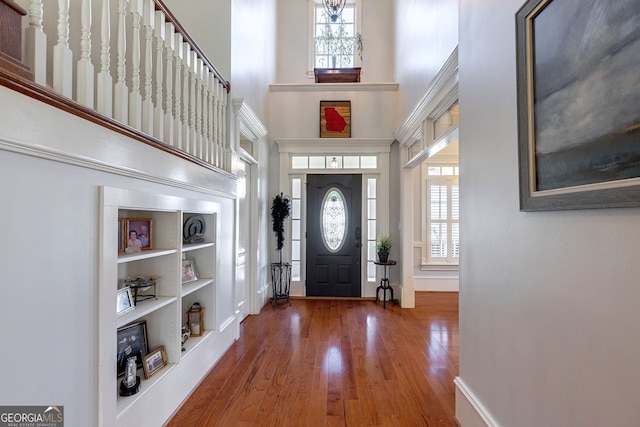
(337, 145)
(443, 87)
(250, 125)
(334, 87)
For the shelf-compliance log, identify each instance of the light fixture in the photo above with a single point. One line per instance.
(333, 8)
(334, 163)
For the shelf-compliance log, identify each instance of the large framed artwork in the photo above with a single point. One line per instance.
(335, 119)
(578, 76)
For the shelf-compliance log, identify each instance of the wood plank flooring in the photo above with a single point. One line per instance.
(335, 363)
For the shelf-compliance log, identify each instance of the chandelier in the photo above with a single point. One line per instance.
(333, 8)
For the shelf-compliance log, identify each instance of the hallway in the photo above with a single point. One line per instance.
(337, 363)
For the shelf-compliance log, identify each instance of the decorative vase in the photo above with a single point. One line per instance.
(383, 256)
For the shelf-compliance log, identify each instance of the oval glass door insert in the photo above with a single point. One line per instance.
(333, 219)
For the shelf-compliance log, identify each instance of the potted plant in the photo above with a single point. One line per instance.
(383, 246)
(280, 210)
(280, 272)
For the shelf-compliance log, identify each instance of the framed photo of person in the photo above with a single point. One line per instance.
(125, 301)
(188, 271)
(154, 361)
(132, 342)
(139, 233)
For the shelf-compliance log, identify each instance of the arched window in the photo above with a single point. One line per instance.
(333, 219)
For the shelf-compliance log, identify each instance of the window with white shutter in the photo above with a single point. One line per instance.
(442, 246)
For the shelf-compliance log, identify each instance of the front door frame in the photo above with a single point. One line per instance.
(289, 148)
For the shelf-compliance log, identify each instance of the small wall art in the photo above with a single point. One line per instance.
(335, 119)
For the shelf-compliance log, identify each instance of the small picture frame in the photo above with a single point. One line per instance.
(124, 301)
(188, 271)
(131, 342)
(139, 233)
(154, 361)
(121, 234)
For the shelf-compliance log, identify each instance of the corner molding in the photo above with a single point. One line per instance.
(444, 86)
(250, 125)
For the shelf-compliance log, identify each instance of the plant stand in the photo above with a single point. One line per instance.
(280, 281)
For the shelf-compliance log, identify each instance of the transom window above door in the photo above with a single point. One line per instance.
(334, 162)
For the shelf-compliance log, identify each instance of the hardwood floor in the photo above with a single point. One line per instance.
(335, 363)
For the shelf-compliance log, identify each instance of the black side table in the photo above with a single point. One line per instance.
(384, 283)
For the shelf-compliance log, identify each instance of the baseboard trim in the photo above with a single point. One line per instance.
(469, 410)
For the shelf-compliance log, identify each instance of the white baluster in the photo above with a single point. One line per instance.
(62, 55)
(216, 124)
(186, 65)
(219, 130)
(158, 110)
(177, 91)
(199, 152)
(193, 132)
(121, 92)
(135, 98)
(104, 93)
(84, 83)
(206, 96)
(212, 114)
(168, 82)
(223, 112)
(212, 111)
(36, 43)
(147, 101)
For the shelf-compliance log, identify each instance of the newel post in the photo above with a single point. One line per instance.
(11, 39)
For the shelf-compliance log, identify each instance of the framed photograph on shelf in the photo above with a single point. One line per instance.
(335, 119)
(121, 242)
(139, 233)
(154, 361)
(125, 302)
(132, 342)
(188, 271)
(578, 90)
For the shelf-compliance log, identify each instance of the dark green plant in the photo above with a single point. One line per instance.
(280, 210)
(383, 244)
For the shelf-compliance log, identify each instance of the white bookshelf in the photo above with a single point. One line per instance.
(165, 314)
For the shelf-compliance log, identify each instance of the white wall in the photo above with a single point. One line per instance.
(209, 24)
(49, 255)
(426, 32)
(548, 301)
(293, 46)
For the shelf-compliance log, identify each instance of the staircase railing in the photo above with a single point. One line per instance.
(130, 61)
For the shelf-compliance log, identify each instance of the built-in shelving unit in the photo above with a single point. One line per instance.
(165, 314)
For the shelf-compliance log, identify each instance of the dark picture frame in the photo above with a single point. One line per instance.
(335, 119)
(578, 105)
(131, 342)
(143, 228)
(154, 361)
